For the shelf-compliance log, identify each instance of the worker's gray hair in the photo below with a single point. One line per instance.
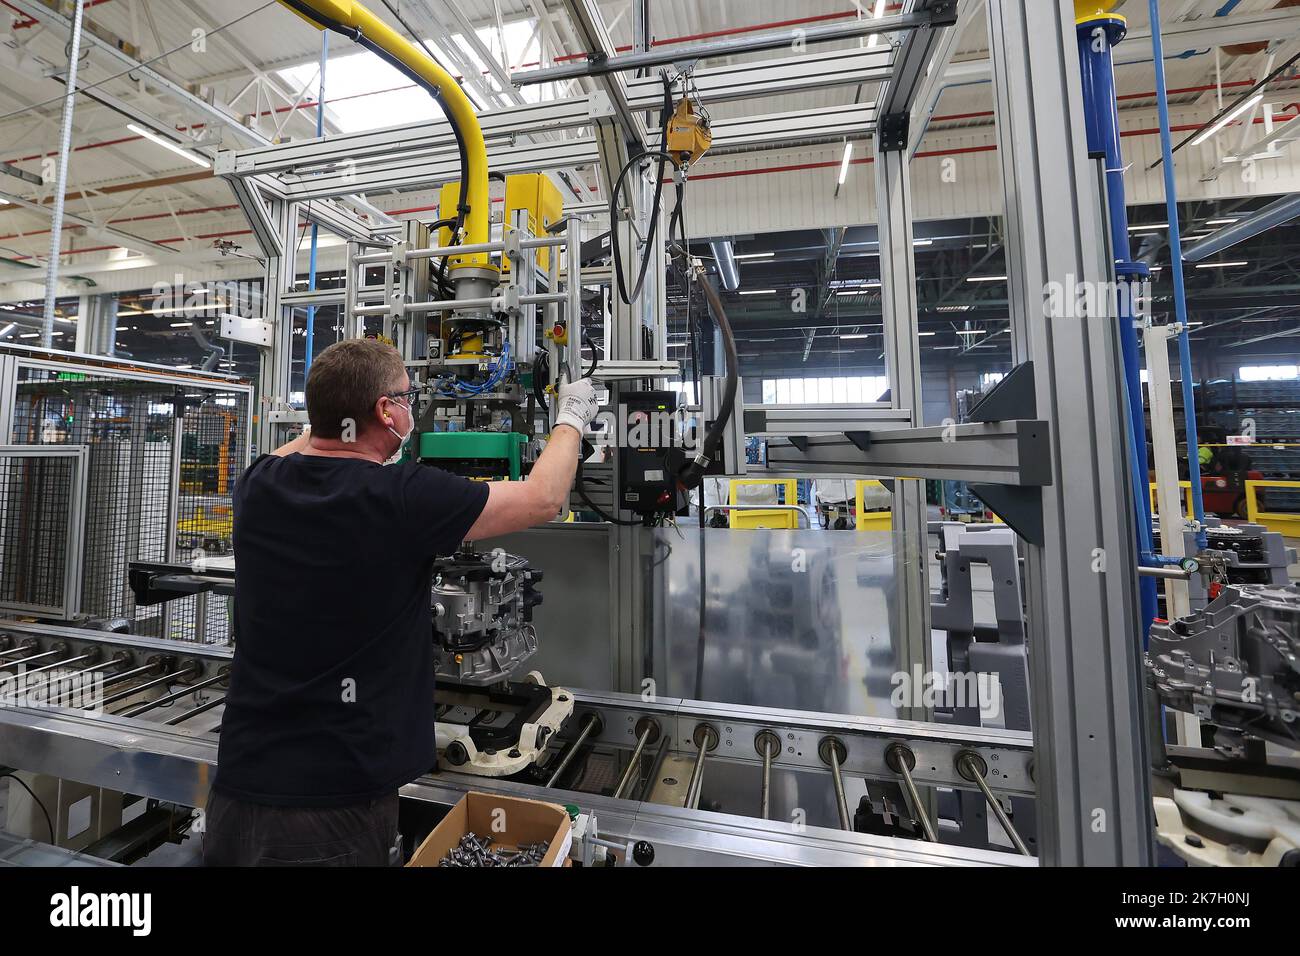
(346, 380)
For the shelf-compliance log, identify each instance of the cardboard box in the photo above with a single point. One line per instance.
(508, 820)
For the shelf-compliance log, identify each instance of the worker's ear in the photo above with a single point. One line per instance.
(384, 411)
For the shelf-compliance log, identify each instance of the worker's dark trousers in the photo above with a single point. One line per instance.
(248, 834)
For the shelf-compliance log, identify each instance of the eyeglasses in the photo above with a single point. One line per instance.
(408, 396)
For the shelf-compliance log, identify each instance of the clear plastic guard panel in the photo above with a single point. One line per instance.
(803, 620)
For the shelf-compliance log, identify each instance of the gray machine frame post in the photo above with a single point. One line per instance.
(619, 136)
(276, 371)
(901, 340)
(1090, 752)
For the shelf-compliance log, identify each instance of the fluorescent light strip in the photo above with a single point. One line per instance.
(986, 278)
(877, 13)
(756, 255)
(758, 292)
(1228, 117)
(166, 144)
(1146, 227)
(1222, 265)
(844, 166)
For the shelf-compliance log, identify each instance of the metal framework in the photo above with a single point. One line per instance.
(1061, 461)
(1091, 777)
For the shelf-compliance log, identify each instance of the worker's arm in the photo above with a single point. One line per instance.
(299, 444)
(516, 505)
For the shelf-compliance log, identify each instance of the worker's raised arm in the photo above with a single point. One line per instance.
(516, 505)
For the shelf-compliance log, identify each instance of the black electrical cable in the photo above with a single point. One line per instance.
(19, 780)
(701, 637)
(693, 473)
(444, 289)
(591, 370)
(655, 206)
(541, 370)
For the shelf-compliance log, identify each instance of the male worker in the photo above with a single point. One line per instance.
(331, 702)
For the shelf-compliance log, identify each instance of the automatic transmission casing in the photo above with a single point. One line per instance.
(1235, 664)
(482, 616)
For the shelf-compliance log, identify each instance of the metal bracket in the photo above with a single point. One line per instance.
(862, 440)
(1004, 453)
(154, 583)
(894, 130)
(1012, 398)
(943, 13)
(1020, 507)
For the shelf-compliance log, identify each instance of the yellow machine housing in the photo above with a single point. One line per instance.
(689, 135)
(1085, 10)
(533, 192)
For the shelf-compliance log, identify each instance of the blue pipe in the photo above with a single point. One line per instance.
(1176, 262)
(1097, 38)
(310, 343)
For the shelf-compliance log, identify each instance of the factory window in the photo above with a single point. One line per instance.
(687, 387)
(855, 389)
(365, 93)
(989, 379)
(1268, 373)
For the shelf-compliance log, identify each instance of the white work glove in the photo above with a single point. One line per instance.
(576, 405)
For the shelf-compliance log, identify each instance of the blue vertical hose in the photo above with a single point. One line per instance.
(1096, 39)
(310, 342)
(1176, 261)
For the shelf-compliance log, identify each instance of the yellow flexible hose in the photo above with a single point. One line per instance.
(459, 109)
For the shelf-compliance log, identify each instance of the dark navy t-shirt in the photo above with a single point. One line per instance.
(331, 689)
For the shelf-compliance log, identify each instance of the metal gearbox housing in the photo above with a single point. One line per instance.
(482, 616)
(1235, 664)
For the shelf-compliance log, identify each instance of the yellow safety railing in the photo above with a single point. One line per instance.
(1281, 522)
(873, 520)
(1185, 487)
(351, 17)
(775, 518)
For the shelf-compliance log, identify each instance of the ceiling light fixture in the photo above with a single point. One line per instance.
(167, 144)
(1242, 107)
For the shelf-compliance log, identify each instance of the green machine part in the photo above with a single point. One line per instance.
(475, 454)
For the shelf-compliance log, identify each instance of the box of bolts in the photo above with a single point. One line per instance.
(486, 830)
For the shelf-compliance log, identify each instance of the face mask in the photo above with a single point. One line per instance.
(401, 440)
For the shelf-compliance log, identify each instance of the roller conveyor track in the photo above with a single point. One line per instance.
(146, 749)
